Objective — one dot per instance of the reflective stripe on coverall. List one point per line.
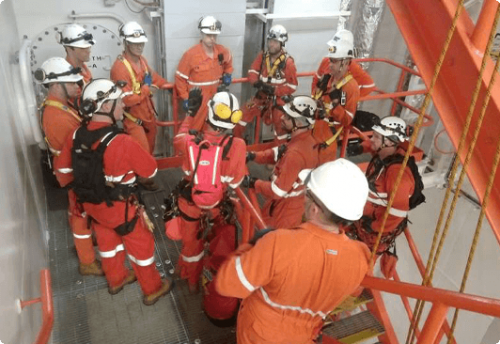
(124, 159)
(285, 193)
(138, 102)
(289, 281)
(197, 69)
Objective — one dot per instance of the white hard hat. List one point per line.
(341, 46)
(224, 110)
(341, 186)
(99, 91)
(393, 128)
(57, 69)
(301, 107)
(278, 33)
(209, 25)
(132, 32)
(74, 35)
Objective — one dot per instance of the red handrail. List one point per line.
(47, 307)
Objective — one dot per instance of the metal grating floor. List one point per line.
(354, 324)
(86, 314)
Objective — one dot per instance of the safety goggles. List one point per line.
(217, 26)
(104, 95)
(41, 76)
(86, 36)
(136, 34)
(275, 35)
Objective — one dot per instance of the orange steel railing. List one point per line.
(349, 132)
(441, 300)
(47, 307)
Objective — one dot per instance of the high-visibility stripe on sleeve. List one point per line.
(271, 303)
(253, 71)
(350, 114)
(242, 123)
(392, 211)
(277, 190)
(125, 94)
(242, 277)
(182, 75)
(294, 87)
(85, 236)
(367, 86)
(235, 185)
(154, 173)
(275, 151)
(206, 83)
(142, 262)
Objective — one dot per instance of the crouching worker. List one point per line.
(291, 279)
(388, 146)
(101, 164)
(214, 161)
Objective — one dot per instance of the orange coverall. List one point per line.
(284, 79)
(233, 169)
(57, 125)
(285, 192)
(138, 101)
(364, 80)
(197, 69)
(381, 185)
(124, 160)
(337, 116)
(289, 281)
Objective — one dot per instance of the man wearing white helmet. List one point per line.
(388, 146)
(338, 90)
(58, 121)
(120, 223)
(206, 65)
(77, 42)
(223, 114)
(274, 75)
(142, 83)
(291, 279)
(285, 192)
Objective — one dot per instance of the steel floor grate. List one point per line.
(86, 314)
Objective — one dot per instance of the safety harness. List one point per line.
(136, 86)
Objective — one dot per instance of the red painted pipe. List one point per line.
(248, 206)
(484, 25)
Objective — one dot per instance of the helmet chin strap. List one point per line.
(110, 114)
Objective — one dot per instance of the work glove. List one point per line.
(194, 101)
(226, 79)
(268, 89)
(248, 182)
(250, 156)
(281, 151)
(354, 149)
(287, 98)
(323, 82)
(259, 234)
(148, 79)
(335, 96)
(258, 85)
(185, 105)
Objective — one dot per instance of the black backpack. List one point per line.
(89, 182)
(417, 197)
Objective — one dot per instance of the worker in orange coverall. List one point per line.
(142, 83)
(58, 121)
(77, 42)
(120, 224)
(386, 144)
(285, 192)
(206, 65)
(291, 279)
(274, 74)
(223, 114)
(339, 92)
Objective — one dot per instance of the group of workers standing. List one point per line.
(316, 203)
